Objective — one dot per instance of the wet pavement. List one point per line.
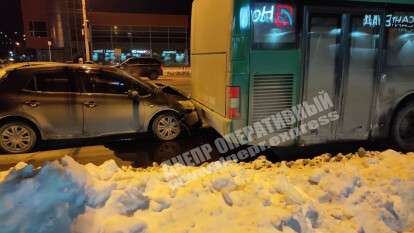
(143, 151)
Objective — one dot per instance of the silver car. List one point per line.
(59, 101)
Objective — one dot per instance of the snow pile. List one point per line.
(366, 193)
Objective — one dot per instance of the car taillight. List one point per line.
(233, 110)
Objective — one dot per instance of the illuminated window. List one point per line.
(274, 24)
(38, 29)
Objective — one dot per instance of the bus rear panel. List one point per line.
(255, 58)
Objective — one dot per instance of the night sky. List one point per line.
(10, 17)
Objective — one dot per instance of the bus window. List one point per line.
(274, 24)
(400, 27)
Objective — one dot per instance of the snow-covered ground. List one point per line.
(369, 192)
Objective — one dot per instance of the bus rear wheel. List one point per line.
(403, 128)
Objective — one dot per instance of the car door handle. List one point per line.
(32, 103)
(90, 104)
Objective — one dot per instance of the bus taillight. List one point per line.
(233, 110)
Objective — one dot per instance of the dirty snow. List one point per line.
(369, 192)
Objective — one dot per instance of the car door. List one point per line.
(50, 98)
(108, 109)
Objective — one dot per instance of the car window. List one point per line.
(105, 83)
(143, 91)
(52, 81)
(142, 61)
(31, 86)
(156, 62)
(138, 84)
(152, 61)
(133, 84)
(147, 61)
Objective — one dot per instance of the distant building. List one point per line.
(114, 36)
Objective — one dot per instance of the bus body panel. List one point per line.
(395, 88)
(240, 58)
(252, 69)
(210, 51)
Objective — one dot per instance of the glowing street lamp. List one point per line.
(49, 43)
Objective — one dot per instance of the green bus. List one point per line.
(252, 59)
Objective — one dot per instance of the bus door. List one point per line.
(342, 58)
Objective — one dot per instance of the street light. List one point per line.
(86, 31)
(49, 43)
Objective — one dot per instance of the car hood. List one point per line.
(170, 90)
(172, 97)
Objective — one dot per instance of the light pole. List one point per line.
(49, 43)
(86, 32)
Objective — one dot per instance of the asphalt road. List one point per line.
(143, 151)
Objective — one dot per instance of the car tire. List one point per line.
(17, 138)
(153, 76)
(403, 128)
(166, 127)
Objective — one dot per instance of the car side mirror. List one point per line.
(133, 94)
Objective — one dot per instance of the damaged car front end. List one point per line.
(167, 100)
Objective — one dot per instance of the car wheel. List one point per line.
(153, 76)
(17, 137)
(403, 128)
(166, 127)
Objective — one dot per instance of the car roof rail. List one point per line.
(18, 66)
